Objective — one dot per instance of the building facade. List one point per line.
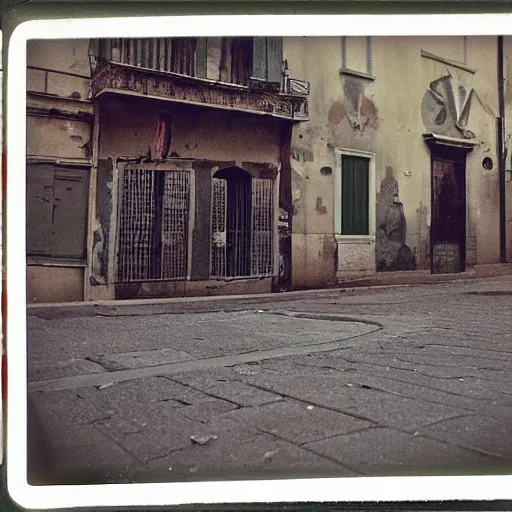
(172, 167)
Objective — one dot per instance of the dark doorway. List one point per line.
(448, 231)
(238, 221)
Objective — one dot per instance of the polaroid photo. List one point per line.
(258, 259)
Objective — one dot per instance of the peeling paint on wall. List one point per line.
(320, 208)
(392, 253)
(103, 211)
(423, 221)
(301, 155)
(336, 113)
(359, 109)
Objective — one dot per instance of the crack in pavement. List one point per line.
(198, 364)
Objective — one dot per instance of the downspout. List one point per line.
(501, 151)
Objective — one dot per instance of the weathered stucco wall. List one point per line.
(55, 284)
(127, 128)
(384, 116)
(58, 138)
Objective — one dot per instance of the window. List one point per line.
(356, 55)
(228, 59)
(153, 225)
(354, 198)
(242, 225)
(177, 55)
(56, 211)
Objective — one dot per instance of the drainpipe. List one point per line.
(501, 151)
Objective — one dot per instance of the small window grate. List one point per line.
(153, 230)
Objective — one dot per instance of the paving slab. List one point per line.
(239, 452)
(107, 463)
(67, 406)
(140, 359)
(38, 371)
(489, 435)
(234, 391)
(297, 422)
(339, 392)
(389, 452)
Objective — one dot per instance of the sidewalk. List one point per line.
(379, 280)
(363, 382)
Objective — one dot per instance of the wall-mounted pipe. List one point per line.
(501, 152)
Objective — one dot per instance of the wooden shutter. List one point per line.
(354, 201)
(39, 209)
(262, 222)
(259, 58)
(69, 226)
(274, 58)
(219, 228)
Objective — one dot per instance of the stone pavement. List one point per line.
(412, 380)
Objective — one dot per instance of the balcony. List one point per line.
(257, 97)
(176, 70)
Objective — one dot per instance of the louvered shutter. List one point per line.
(259, 58)
(262, 221)
(355, 199)
(201, 56)
(219, 228)
(274, 58)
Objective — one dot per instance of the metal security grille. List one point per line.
(153, 226)
(262, 217)
(219, 201)
(242, 220)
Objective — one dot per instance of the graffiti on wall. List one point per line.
(359, 110)
(446, 107)
(392, 253)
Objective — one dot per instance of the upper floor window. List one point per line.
(228, 59)
(356, 55)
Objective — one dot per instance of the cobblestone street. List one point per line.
(413, 380)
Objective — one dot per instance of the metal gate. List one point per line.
(242, 228)
(153, 225)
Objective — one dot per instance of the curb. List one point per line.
(378, 281)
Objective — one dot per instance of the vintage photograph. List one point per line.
(268, 257)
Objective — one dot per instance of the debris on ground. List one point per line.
(310, 407)
(106, 385)
(269, 455)
(202, 439)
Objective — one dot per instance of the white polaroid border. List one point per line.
(340, 490)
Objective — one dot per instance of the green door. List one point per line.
(354, 196)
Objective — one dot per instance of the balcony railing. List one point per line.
(63, 84)
(288, 100)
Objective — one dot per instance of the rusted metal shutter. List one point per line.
(219, 228)
(262, 221)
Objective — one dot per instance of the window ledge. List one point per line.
(359, 74)
(453, 63)
(54, 262)
(354, 239)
